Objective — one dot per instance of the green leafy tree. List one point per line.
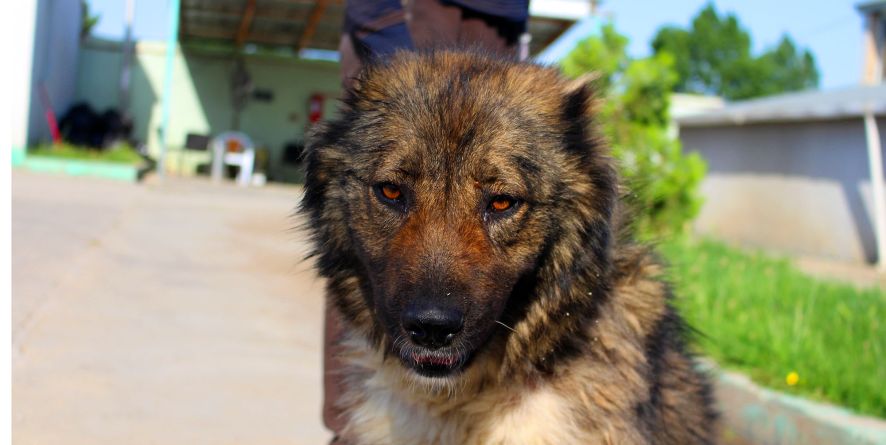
(789, 67)
(714, 56)
(663, 181)
(87, 20)
(604, 55)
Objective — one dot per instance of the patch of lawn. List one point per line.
(760, 315)
(123, 154)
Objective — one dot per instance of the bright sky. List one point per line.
(832, 29)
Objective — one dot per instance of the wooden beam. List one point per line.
(564, 26)
(245, 23)
(311, 26)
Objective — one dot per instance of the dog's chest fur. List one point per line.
(385, 409)
(492, 417)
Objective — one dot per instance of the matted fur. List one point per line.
(573, 339)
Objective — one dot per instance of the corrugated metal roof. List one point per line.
(807, 105)
(296, 24)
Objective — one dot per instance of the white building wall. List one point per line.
(799, 188)
(21, 24)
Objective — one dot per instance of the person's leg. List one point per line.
(436, 24)
(333, 383)
(348, 59)
(490, 33)
(432, 23)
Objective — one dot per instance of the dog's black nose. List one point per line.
(432, 327)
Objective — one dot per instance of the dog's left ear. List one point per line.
(581, 97)
(585, 80)
(579, 109)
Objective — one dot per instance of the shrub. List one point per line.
(663, 181)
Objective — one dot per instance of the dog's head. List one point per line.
(440, 197)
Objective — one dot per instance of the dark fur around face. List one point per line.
(478, 186)
(453, 131)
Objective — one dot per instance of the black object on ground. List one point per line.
(82, 125)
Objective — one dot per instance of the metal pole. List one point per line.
(126, 71)
(875, 161)
(171, 43)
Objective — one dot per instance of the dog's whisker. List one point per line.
(508, 327)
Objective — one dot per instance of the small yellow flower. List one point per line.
(792, 379)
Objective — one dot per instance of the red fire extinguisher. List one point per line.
(315, 108)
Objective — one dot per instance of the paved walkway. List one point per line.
(859, 275)
(162, 313)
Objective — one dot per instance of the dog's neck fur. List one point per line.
(613, 353)
(532, 343)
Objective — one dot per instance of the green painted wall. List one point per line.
(201, 99)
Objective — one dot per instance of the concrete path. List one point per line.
(172, 312)
(859, 275)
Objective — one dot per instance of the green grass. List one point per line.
(122, 154)
(761, 316)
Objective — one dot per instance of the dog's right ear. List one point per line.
(352, 89)
(365, 88)
(326, 164)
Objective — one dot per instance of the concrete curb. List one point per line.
(76, 167)
(18, 156)
(754, 415)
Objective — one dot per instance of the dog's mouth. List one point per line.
(434, 363)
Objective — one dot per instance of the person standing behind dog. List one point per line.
(377, 28)
(374, 29)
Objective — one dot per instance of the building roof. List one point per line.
(565, 43)
(683, 104)
(300, 26)
(871, 6)
(803, 106)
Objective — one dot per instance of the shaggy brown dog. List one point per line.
(464, 214)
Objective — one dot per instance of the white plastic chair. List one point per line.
(244, 158)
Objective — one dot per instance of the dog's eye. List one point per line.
(501, 204)
(389, 193)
